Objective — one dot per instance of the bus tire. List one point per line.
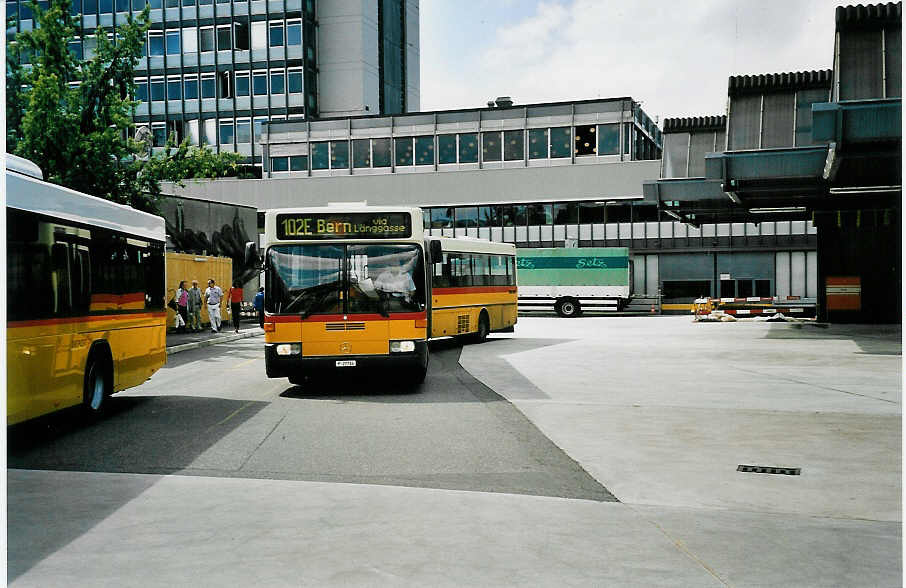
(98, 383)
(484, 328)
(568, 307)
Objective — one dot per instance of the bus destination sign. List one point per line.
(344, 225)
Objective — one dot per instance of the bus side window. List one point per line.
(511, 270)
(59, 253)
(481, 275)
(460, 269)
(441, 274)
(498, 270)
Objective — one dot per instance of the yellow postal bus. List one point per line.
(84, 296)
(351, 288)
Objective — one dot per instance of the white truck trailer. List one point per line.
(572, 281)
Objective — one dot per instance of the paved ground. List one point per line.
(659, 410)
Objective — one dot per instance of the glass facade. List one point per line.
(224, 60)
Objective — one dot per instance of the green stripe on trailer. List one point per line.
(587, 266)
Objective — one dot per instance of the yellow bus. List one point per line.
(84, 296)
(352, 288)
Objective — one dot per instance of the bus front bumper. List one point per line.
(284, 366)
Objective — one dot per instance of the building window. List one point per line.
(190, 87)
(75, 47)
(320, 155)
(224, 42)
(585, 141)
(446, 149)
(467, 216)
(490, 146)
(226, 132)
(243, 130)
(190, 40)
(141, 90)
(424, 150)
(157, 89)
(104, 6)
(339, 154)
(468, 148)
(155, 43)
(259, 83)
(566, 213)
(560, 142)
(208, 86)
(259, 35)
(294, 81)
(159, 134)
(258, 126)
(298, 163)
(537, 139)
(278, 79)
(174, 88)
(539, 214)
(223, 84)
(294, 32)
(609, 139)
(380, 152)
(279, 164)
(122, 5)
(403, 151)
(361, 153)
(513, 145)
(207, 39)
(242, 83)
(241, 35)
(276, 34)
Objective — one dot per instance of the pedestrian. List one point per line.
(259, 306)
(194, 307)
(182, 299)
(212, 297)
(236, 303)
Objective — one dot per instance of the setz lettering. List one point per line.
(576, 262)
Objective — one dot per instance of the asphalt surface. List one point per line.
(212, 412)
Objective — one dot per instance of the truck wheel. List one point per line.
(567, 307)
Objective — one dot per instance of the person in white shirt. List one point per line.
(212, 297)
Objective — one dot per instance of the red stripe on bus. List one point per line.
(475, 290)
(327, 318)
(86, 319)
(120, 298)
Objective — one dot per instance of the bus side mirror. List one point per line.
(252, 257)
(436, 252)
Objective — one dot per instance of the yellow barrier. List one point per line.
(188, 267)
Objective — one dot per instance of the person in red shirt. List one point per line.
(235, 296)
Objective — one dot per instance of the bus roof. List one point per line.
(33, 195)
(342, 207)
(473, 245)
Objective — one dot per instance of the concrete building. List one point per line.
(216, 70)
(824, 147)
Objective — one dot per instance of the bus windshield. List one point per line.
(345, 279)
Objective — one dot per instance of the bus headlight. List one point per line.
(289, 349)
(402, 346)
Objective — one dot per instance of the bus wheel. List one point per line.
(484, 327)
(567, 307)
(98, 383)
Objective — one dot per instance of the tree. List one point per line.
(74, 118)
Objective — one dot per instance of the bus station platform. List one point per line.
(177, 342)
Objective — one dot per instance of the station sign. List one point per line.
(344, 225)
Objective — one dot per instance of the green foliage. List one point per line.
(74, 119)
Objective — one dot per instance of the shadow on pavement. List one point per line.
(871, 339)
(140, 435)
(446, 380)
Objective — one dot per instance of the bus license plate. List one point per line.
(346, 363)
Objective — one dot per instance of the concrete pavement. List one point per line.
(660, 411)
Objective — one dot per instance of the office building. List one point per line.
(215, 71)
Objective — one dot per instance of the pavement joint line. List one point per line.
(795, 381)
(213, 341)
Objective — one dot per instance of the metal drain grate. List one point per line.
(768, 470)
